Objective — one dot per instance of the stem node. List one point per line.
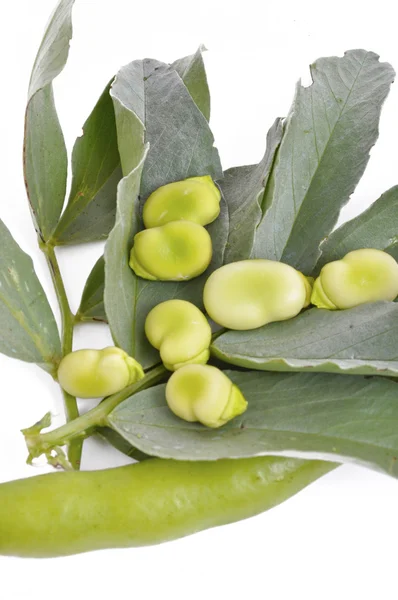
(75, 431)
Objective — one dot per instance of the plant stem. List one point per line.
(84, 425)
(67, 319)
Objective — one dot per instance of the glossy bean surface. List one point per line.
(250, 293)
(181, 333)
(176, 251)
(196, 199)
(362, 276)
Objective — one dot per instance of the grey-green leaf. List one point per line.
(28, 330)
(361, 340)
(377, 227)
(121, 285)
(92, 303)
(152, 104)
(243, 189)
(333, 417)
(181, 143)
(90, 212)
(192, 71)
(118, 442)
(45, 157)
(92, 206)
(331, 128)
(393, 250)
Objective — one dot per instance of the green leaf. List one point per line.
(120, 295)
(118, 442)
(243, 189)
(377, 227)
(331, 128)
(92, 303)
(27, 326)
(393, 251)
(332, 417)
(361, 340)
(90, 212)
(99, 137)
(45, 157)
(192, 71)
(181, 143)
(160, 111)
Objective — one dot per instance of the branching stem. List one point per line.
(85, 425)
(67, 320)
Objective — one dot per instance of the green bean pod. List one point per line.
(142, 504)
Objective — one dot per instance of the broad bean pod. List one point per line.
(362, 276)
(195, 199)
(98, 373)
(250, 293)
(147, 503)
(180, 331)
(204, 393)
(176, 251)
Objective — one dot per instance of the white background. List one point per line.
(336, 539)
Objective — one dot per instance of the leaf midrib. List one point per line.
(308, 191)
(136, 279)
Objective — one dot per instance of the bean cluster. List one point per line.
(242, 295)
